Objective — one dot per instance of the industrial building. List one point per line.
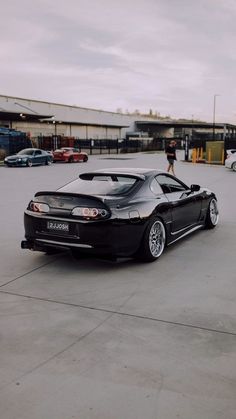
(39, 120)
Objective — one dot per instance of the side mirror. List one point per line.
(195, 188)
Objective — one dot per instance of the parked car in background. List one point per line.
(230, 162)
(29, 157)
(69, 155)
(231, 151)
(118, 212)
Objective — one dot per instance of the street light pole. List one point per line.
(214, 115)
(55, 135)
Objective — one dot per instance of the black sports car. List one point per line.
(118, 212)
(29, 157)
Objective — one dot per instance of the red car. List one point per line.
(69, 155)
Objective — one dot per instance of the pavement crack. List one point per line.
(29, 272)
(122, 313)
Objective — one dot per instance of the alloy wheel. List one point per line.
(213, 212)
(157, 239)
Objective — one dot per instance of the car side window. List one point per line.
(38, 152)
(169, 184)
(155, 187)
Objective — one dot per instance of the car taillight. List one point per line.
(38, 207)
(90, 213)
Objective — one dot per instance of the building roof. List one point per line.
(184, 124)
(14, 108)
(16, 116)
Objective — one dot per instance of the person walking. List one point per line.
(171, 156)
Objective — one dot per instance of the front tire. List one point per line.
(212, 217)
(153, 242)
(85, 159)
(29, 163)
(234, 166)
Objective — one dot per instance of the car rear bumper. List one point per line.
(106, 237)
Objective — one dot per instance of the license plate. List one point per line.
(58, 226)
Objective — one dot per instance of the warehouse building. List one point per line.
(39, 119)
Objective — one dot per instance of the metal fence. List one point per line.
(131, 145)
(106, 146)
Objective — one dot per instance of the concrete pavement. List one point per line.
(92, 339)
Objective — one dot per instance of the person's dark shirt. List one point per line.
(171, 150)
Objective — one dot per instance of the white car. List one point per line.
(231, 151)
(230, 162)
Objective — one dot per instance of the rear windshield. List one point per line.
(111, 185)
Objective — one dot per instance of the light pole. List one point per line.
(55, 134)
(214, 115)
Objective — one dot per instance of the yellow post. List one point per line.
(209, 155)
(223, 157)
(197, 155)
(201, 153)
(194, 155)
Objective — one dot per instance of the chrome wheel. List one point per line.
(213, 212)
(157, 238)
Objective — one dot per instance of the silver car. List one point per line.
(230, 162)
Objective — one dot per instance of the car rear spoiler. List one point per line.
(111, 173)
(69, 194)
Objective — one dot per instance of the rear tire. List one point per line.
(48, 162)
(212, 217)
(85, 159)
(70, 160)
(234, 166)
(153, 241)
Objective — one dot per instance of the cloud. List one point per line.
(171, 56)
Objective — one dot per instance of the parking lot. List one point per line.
(95, 339)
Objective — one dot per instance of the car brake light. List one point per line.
(89, 213)
(38, 207)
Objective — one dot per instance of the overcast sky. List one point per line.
(172, 56)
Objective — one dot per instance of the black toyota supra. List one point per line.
(118, 213)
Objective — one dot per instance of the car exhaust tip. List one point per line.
(26, 245)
